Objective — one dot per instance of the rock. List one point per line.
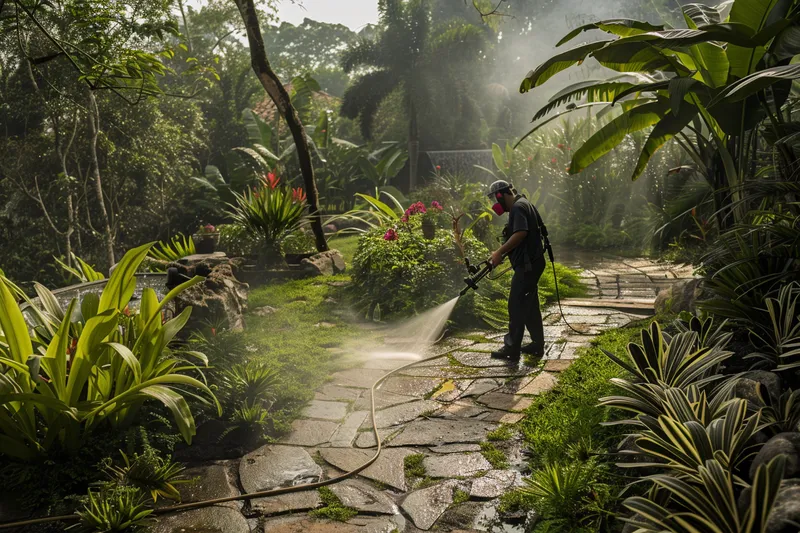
(324, 263)
(787, 444)
(481, 386)
(311, 432)
(215, 519)
(210, 483)
(344, 435)
(285, 503)
(359, 524)
(271, 467)
(770, 382)
(362, 497)
(435, 432)
(541, 383)
(399, 414)
(264, 311)
(681, 296)
(388, 469)
(785, 515)
(325, 410)
(557, 365)
(220, 295)
(425, 506)
(505, 402)
(493, 485)
(456, 448)
(456, 465)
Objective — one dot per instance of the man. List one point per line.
(525, 249)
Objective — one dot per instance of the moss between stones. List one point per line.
(333, 508)
(494, 455)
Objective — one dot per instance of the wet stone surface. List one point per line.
(435, 432)
(425, 506)
(272, 466)
(325, 410)
(215, 519)
(456, 465)
(387, 469)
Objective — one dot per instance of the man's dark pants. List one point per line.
(523, 306)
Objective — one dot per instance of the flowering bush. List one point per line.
(206, 229)
(427, 213)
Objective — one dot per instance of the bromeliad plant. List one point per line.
(270, 212)
(66, 377)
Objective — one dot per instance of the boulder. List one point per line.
(324, 263)
(681, 296)
(787, 444)
(219, 296)
(785, 513)
(770, 382)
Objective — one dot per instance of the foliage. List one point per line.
(178, 247)
(68, 378)
(270, 212)
(250, 383)
(117, 508)
(82, 270)
(413, 465)
(332, 507)
(149, 473)
(494, 455)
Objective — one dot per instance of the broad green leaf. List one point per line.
(119, 289)
(702, 15)
(750, 85)
(258, 131)
(666, 129)
(610, 135)
(497, 157)
(129, 358)
(55, 359)
(678, 89)
(557, 63)
(177, 405)
(712, 62)
(13, 325)
(752, 13)
(633, 56)
(593, 90)
(619, 27)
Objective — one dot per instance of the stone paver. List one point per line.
(435, 432)
(425, 506)
(456, 465)
(347, 432)
(443, 407)
(325, 410)
(272, 466)
(311, 432)
(387, 469)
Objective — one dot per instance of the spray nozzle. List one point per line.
(477, 273)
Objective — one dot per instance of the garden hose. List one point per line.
(253, 495)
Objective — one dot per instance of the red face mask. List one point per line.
(498, 208)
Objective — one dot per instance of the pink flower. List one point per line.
(554, 160)
(390, 235)
(436, 205)
(404, 218)
(530, 158)
(209, 228)
(560, 146)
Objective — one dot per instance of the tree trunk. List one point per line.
(413, 148)
(94, 128)
(277, 92)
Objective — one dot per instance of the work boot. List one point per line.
(506, 352)
(532, 349)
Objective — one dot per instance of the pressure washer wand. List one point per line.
(476, 275)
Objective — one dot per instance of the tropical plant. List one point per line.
(270, 212)
(778, 343)
(82, 270)
(405, 55)
(709, 503)
(178, 247)
(375, 214)
(251, 383)
(149, 473)
(723, 77)
(114, 509)
(64, 379)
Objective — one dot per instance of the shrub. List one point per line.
(236, 241)
(410, 273)
(97, 371)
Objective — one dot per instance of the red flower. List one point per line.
(272, 180)
(567, 169)
(436, 205)
(213, 332)
(530, 158)
(560, 146)
(209, 228)
(554, 160)
(324, 131)
(390, 235)
(694, 211)
(298, 195)
(438, 167)
(404, 218)
(126, 311)
(256, 194)
(569, 147)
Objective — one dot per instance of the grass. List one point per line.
(333, 508)
(494, 455)
(289, 341)
(460, 496)
(576, 488)
(503, 432)
(412, 465)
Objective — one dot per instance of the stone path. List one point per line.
(436, 419)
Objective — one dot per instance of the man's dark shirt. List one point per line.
(524, 217)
